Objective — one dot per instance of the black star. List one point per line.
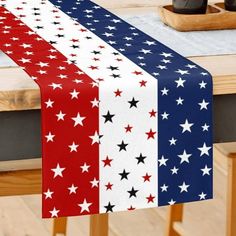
(108, 117)
(75, 46)
(96, 52)
(113, 68)
(39, 27)
(35, 9)
(52, 42)
(109, 207)
(87, 37)
(141, 158)
(133, 103)
(124, 174)
(56, 23)
(36, 14)
(73, 61)
(115, 53)
(122, 146)
(60, 35)
(115, 76)
(132, 192)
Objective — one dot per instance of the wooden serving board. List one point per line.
(216, 18)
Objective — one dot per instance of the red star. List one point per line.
(83, 30)
(137, 73)
(151, 134)
(131, 208)
(107, 161)
(143, 83)
(54, 11)
(38, 20)
(96, 59)
(118, 93)
(152, 113)
(93, 67)
(21, 16)
(57, 17)
(109, 186)
(146, 177)
(150, 198)
(118, 59)
(19, 8)
(128, 128)
(73, 55)
(101, 47)
(100, 79)
(60, 28)
(74, 40)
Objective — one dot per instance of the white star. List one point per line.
(202, 196)
(171, 202)
(186, 126)
(74, 94)
(162, 161)
(25, 60)
(204, 150)
(95, 102)
(166, 54)
(162, 67)
(85, 168)
(205, 127)
(60, 116)
(182, 72)
(166, 61)
(48, 194)
(78, 120)
(164, 188)
(50, 137)
(24, 45)
(73, 147)
(206, 170)
(62, 76)
(49, 103)
(183, 187)
(55, 86)
(191, 66)
(54, 212)
(180, 82)
(150, 43)
(95, 138)
(42, 72)
(174, 170)
(184, 157)
(144, 51)
(203, 104)
(165, 91)
(180, 101)
(111, 27)
(42, 64)
(94, 183)
(108, 34)
(85, 206)
(202, 85)
(165, 116)
(58, 171)
(72, 189)
(173, 141)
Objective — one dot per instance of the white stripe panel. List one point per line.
(113, 132)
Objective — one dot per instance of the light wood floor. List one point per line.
(20, 216)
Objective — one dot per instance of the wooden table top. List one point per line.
(19, 92)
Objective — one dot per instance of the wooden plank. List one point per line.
(59, 226)
(175, 214)
(26, 164)
(20, 182)
(231, 196)
(99, 225)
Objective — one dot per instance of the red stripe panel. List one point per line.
(50, 68)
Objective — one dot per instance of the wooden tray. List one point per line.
(216, 18)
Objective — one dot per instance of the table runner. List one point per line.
(138, 135)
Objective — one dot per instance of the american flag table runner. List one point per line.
(126, 121)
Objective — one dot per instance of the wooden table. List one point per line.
(20, 169)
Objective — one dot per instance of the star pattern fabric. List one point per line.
(124, 133)
(184, 106)
(65, 129)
